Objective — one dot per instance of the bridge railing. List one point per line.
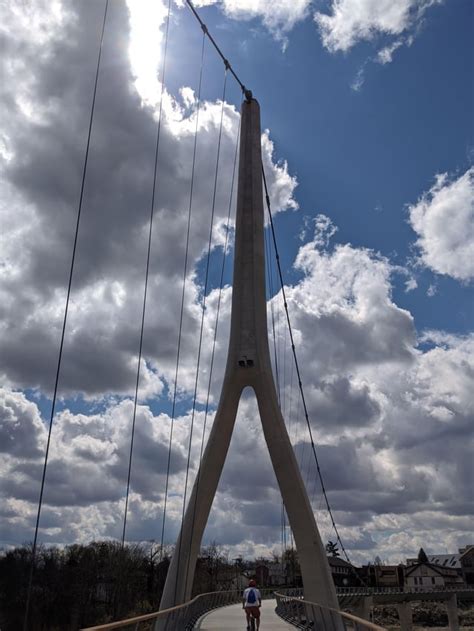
(371, 591)
(182, 617)
(308, 615)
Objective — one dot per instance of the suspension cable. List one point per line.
(290, 413)
(214, 43)
(285, 398)
(63, 331)
(147, 269)
(290, 427)
(248, 93)
(185, 270)
(298, 373)
(216, 324)
(221, 284)
(203, 313)
(276, 353)
(269, 266)
(272, 312)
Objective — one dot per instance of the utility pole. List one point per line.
(248, 364)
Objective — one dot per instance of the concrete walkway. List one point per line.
(232, 618)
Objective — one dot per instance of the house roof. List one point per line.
(336, 561)
(452, 561)
(442, 571)
(466, 549)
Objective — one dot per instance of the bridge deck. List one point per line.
(232, 618)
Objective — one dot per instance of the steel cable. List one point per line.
(203, 312)
(173, 411)
(185, 270)
(63, 331)
(147, 268)
(298, 372)
(268, 263)
(247, 93)
(216, 324)
(214, 43)
(272, 312)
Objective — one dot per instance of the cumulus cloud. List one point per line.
(386, 416)
(443, 219)
(279, 17)
(345, 24)
(21, 431)
(41, 176)
(345, 301)
(281, 184)
(39, 205)
(352, 21)
(88, 462)
(386, 413)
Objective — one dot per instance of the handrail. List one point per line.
(301, 612)
(142, 618)
(367, 623)
(151, 616)
(196, 607)
(374, 591)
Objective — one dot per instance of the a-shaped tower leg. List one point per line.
(248, 364)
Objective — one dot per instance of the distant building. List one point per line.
(466, 558)
(239, 582)
(343, 573)
(389, 576)
(426, 576)
(270, 574)
(451, 561)
(462, 562)
(261, 574)
(383, 576)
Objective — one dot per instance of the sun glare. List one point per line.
(146, 35)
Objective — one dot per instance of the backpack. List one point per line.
(251, 597)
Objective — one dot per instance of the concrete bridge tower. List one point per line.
(248, 364)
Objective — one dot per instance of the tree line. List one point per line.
(85, 585)
(80, 585)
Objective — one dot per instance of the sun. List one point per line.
(147, 18)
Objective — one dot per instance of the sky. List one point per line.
(368, 145)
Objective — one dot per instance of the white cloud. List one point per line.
(410, 285)
(387, 419)
(21, 430)
(324, 230)
(346, 295)
(279, 17)
(352, 21)
(39, 204)
(443, 219)
(281, 184)
(394, 412)
(347, 23)
(385, 55)
(359, 79)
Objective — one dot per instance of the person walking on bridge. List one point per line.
(251, 603)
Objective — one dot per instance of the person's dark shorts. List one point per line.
(255, 611)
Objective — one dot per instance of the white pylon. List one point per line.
(248, 364)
